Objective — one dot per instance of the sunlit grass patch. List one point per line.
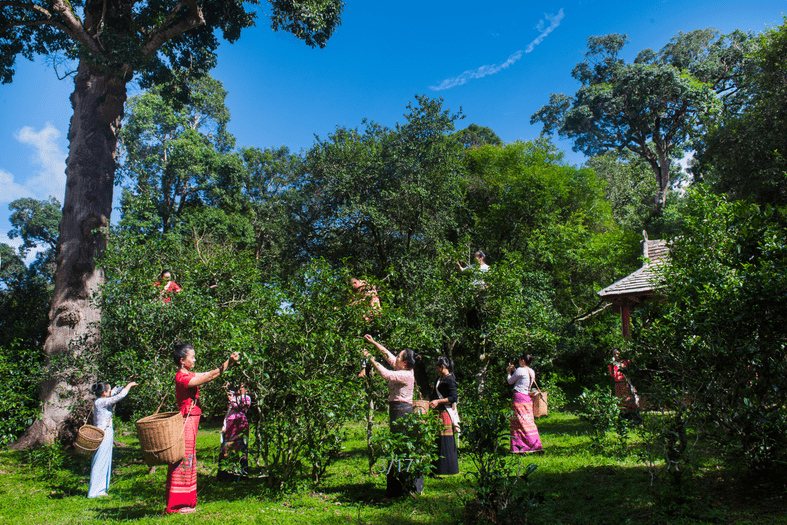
(580, 483)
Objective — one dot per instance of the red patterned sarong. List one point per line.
(447, 428)
(182, 476)
(524, 434)
(448, 460)
(627, 399)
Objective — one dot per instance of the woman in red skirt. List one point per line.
(182, 476)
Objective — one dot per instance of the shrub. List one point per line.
(411, 450)
(500, 497)
(601, 409)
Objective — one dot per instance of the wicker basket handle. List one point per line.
(162, 402)
(540, 393)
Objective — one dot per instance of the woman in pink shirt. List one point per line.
(401, 381)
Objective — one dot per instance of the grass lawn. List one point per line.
(579, 487)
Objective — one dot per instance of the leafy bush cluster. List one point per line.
(503, 493)
(715, 353)
(601, 409)
(409, 449)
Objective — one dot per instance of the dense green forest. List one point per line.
(264, 242)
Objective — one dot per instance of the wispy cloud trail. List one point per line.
(484, 71)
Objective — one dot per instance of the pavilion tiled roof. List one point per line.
(643, 281)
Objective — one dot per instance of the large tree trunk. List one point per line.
(663, 176)
(98, 100)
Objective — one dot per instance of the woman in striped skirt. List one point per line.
(524, 434)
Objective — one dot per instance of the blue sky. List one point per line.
(498, 63)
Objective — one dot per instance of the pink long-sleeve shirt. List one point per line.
(400, 382)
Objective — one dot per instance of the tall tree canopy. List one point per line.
(112, 41)
(381, 195)
(474, 136)
(654, 106)
(36, 223)
(745, 155)
(525, 198)
(173, 152)
(630, 187)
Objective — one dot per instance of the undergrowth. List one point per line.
(579, 483)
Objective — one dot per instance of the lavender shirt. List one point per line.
(521, 379)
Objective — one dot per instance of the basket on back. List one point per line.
(88, 440)
(161, 438)
(540, 405)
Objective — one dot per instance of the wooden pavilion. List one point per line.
(639, 286)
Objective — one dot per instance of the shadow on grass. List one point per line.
(553, 425)
(212, 490)
(353, 493)
(129, 512)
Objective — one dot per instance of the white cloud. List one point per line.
(16, 243)
(483, 71)
(51, 178)
(10, 190)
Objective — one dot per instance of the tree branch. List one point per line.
(164, 34)
(49, 22)
(28, 6)
(174, 11)
(78, 32)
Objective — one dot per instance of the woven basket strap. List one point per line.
(162, 402)
(540, 393)
(88, 414)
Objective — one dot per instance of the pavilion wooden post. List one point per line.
(625, 320)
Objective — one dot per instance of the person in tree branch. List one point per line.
(182, 476)
(169, 286)
(366, 296)
(479, 266)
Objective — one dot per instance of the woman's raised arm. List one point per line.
(207, 377)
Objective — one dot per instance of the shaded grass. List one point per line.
(580, 486)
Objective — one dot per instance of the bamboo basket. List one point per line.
(421, 406)
(539, 403)
(161, 438)
(89, 438)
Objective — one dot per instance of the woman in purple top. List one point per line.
(401, 381)
(524, 434)
(233, 455)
